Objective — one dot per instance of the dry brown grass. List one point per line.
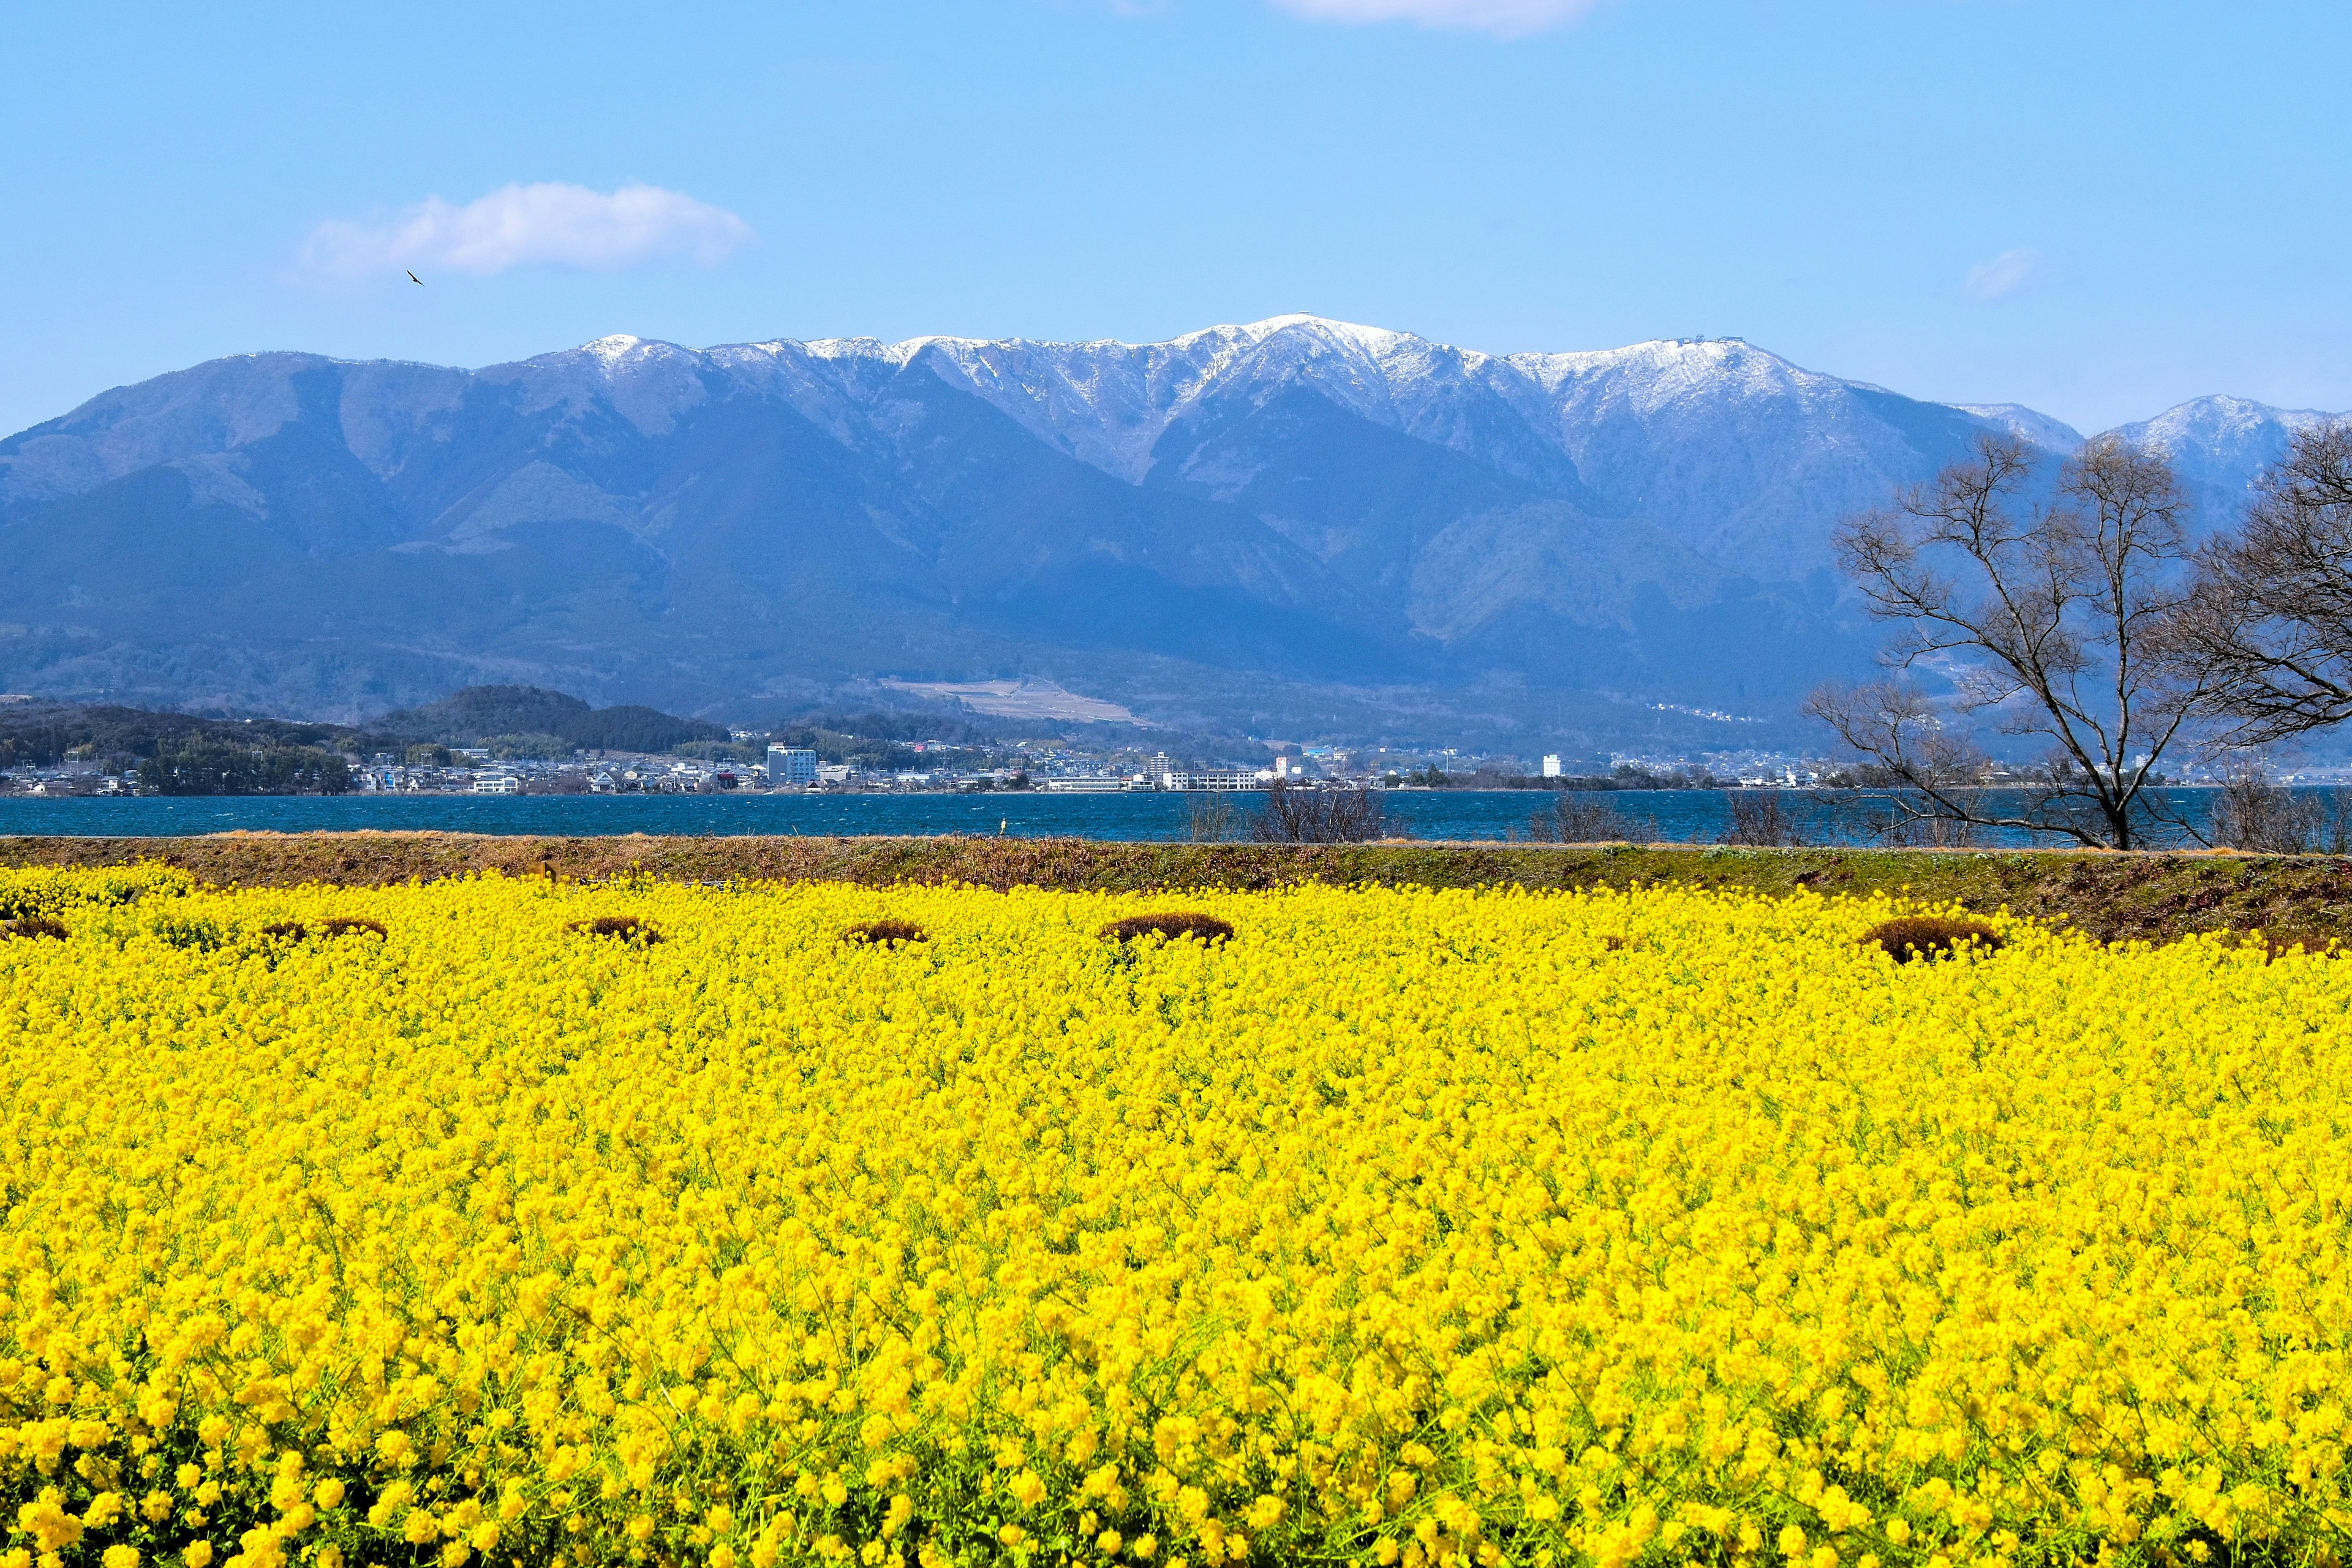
(880, 931)
(1173, 925)
(29, 926)
(628, 928)
(1910, 937)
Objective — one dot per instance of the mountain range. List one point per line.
(1292, 527)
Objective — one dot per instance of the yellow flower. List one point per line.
(1465, 1227)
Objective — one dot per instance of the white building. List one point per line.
(1213, 778)
(498, 784)
(1552, 765)
(790, 766)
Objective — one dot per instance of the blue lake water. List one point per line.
(1683, 816)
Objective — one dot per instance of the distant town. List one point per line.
(521, 742)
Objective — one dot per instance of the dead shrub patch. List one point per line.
(2277, 944)
(874, 933)
(1910, 937)
(30, 926)
(1173, 925)
(628, 928)
(341, 925)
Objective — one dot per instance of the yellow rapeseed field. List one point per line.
(1436, 1228)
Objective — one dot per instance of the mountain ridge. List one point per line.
(1241, 525)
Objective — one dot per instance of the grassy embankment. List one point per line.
(2113, 896)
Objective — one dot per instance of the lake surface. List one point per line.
(1679, 815)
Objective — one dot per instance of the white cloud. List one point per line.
(520, 226)
(2013, 272)
(1503, 18)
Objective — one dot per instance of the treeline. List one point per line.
(218, 767)
(530, 721)
(847, 745)
(118, 739)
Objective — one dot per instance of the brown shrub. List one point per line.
(30, 926)
(876, 931)
(1173, 925)
(628, 928)
(353, 925)
(1931, 936)
(285, 931)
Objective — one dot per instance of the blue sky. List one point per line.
(2099, 209)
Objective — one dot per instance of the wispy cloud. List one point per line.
(1503, 18)
(520, 226)
(2010, 273)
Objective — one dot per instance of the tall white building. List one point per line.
(790, 766)
(1552, 765)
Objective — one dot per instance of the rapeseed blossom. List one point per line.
(1405, 1227)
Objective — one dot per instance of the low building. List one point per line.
(498, 784)
(1214, 778)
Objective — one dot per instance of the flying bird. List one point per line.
(413, 277)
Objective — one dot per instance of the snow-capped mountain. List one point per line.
(2219, 444)
(1297, 501)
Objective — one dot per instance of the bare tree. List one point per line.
(2271, 611)
(1293, 815)
(2053, 619)
(1761, 817)
(2253, 811)
(1574, 817)
(1211, 818)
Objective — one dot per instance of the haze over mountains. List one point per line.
(1293, 525)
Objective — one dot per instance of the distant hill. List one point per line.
(481, 713)
(45, 733)
(1294, 526)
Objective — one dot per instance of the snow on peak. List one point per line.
(1110, 402)
(647, 379)
(2027, 424)
(2225, 419)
